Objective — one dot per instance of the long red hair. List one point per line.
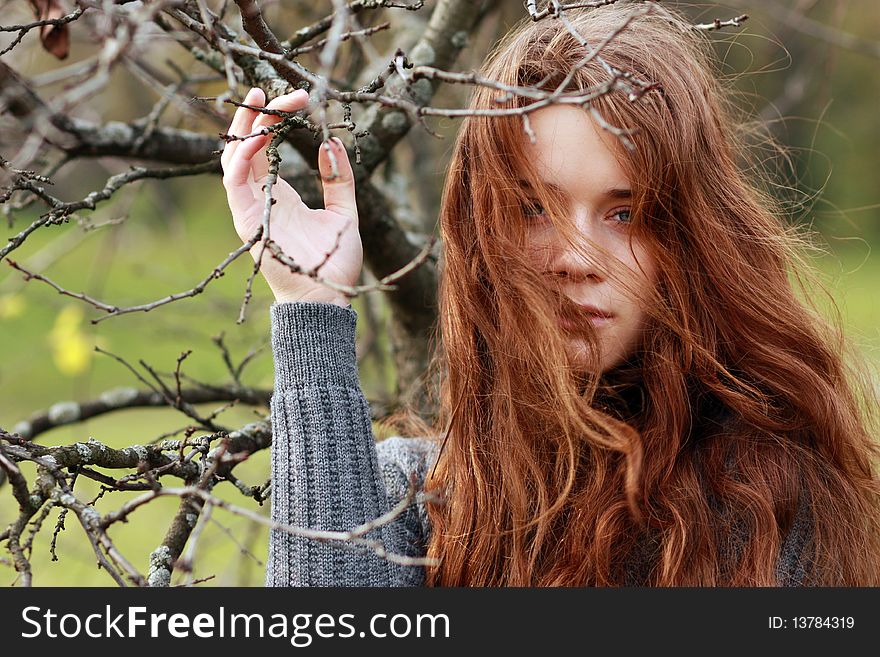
(688, 464)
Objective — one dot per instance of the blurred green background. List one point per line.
(174, 233)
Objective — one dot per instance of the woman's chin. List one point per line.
(583, 360)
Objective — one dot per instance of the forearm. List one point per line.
(325, 470)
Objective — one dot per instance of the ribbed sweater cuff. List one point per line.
(313, 343)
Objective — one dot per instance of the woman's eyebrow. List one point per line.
(614, 192)
(619, 192)
(525, 184)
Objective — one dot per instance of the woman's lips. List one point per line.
(572, 325)
(595, 316)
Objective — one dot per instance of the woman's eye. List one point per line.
(533, 209)
(622, 216)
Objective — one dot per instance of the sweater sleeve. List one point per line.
(795, 555)
(326, 472)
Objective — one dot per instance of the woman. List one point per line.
(632, 392)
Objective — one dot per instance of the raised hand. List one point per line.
(304, 234)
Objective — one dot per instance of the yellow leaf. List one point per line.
(72, 349)
(11, 305)
(69, 319)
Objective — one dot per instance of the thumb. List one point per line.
(339, 194)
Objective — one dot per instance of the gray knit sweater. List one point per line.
(328, 472)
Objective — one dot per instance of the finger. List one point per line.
(286, 103)
(239, 169)
(339, 192)
(252, 156)
(241, 122)
(240, 199)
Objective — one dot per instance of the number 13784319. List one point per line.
(811, 623)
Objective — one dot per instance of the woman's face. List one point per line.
(579, 160)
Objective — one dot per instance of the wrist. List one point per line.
(322, 296)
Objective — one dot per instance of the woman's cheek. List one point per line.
(538, 253)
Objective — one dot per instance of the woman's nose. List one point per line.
(579, 261)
